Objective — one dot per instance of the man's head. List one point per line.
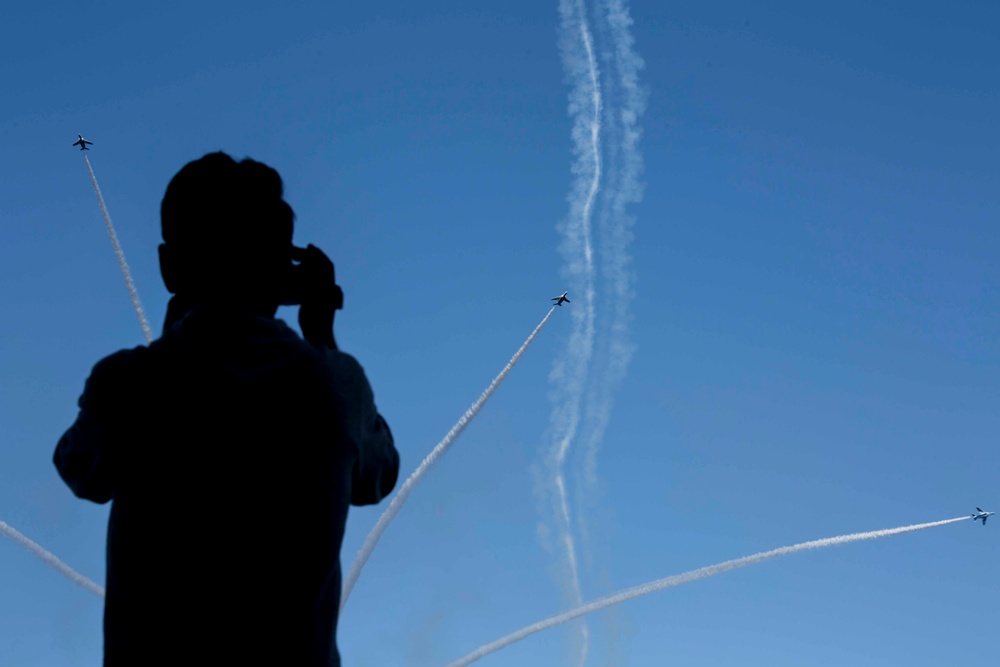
(227, 233)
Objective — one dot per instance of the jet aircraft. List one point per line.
(981, 515)
(82, 143)
(560, 299)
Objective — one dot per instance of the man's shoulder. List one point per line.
(340, 366)
(117, 373)
(341, 361)
(121, 362)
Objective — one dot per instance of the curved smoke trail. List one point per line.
(404, 491)
(687, 577)
(49, 558)
(570, 372)
(122, 264)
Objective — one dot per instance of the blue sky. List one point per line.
(814, 316)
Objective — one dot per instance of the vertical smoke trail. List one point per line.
(677, 580)
(132, 293)
(622, 102)
(404, 491)
(49, 558)
(569, 375)
(624, 188)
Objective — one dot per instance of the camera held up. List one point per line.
(310, 277)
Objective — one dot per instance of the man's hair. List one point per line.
(225, 218)
(215, 200)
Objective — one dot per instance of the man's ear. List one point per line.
(169, 268)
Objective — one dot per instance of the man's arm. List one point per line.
(377, 465)
(84, 455)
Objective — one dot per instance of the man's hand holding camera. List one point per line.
(314, 287)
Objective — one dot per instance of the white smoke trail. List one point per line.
(613, 350)
(687, 577)
(624, 188)
(569, 375)
(49, 558)
(404, 491)
(132, 292)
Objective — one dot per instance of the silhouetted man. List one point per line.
(230, 447)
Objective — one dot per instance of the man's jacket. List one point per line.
(230, 450)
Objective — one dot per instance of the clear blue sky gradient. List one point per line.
(815, 318)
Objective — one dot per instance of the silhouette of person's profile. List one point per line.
(230, 447)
